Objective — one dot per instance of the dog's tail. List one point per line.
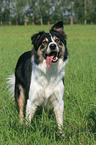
(11, 85)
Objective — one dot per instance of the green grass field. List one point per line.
(79, 96)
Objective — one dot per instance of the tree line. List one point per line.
(24, 12)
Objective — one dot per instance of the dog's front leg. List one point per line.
(58, 110)
(33, 103)
(30, 110)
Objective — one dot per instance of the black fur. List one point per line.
(23, 68)
(23, 72)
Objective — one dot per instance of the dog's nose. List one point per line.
(53, 46)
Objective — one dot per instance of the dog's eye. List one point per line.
(42, 47)
(60, 43)
(57, 40)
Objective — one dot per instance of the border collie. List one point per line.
(39, 74)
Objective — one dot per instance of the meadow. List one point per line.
(79, 95)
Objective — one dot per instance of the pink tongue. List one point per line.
(49, 60)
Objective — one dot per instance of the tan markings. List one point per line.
(63, 51)
(40, 52)
(21, 102)
(45, 40)
(54, 37)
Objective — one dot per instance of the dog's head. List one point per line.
(50, 46)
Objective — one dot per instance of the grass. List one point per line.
(79, 96)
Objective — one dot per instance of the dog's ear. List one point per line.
(58, 27)
(36, 37)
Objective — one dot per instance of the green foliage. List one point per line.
(79, 96)
(17, 12)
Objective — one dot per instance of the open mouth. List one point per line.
(51, 58)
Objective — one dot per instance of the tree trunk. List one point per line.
(33, 20)
(91, 22)
(48, 21)
(25, 20)
(85, 21)
(71, 17)
(71, 22)
(41, 21)
(1, 22)
(1, 16)
(9, 20)
(9, 12)
(16, 20)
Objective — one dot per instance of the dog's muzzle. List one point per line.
(52, 54)
(52, 46)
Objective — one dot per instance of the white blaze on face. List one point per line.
(52, 57)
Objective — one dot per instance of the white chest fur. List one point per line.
(47, 86)
(45, 81)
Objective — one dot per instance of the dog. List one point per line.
(39, 74)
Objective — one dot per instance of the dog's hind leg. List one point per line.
(20, 99)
